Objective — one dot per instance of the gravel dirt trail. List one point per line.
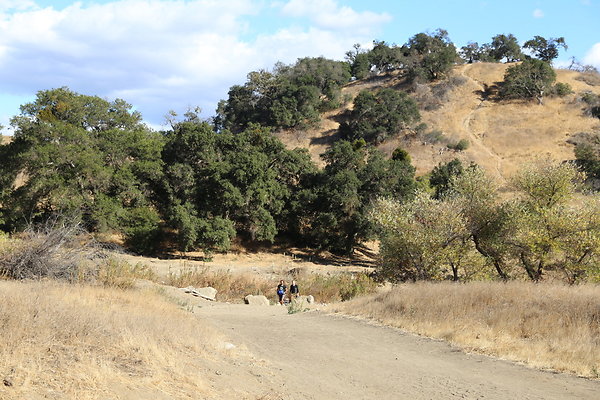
(314, 355)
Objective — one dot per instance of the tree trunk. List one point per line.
(495, 259)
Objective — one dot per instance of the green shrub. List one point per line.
(434, 136)
(562, 89)
(461, 145)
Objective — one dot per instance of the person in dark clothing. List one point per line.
(281, 289)
(294, 291)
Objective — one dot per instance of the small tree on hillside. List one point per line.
(545, 49)
(505, 47)
(376, 116)
(532, 79)
(430, 56)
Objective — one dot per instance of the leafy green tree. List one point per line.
(505, 47)
(441, 176)
(587, 154)
(359, 62)
(336, 200)
(288, 97)
(378, 115)
(430, 56)
(470, 52)
(488, 222)
(545, 49)
(81, 154)
(420, 239)
(553, 233)
(532, 79)
(221, 184)
(473, 52)
(384, 57)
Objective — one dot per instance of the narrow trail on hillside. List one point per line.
(314, 355)
(476, 141)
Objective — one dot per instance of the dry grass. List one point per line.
(229, 286)
(550, 326)
(120, 274)
(62, 341)
(502, 134)
(235, 286)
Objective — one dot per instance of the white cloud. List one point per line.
(538, 13)
(8, 5)
(328, 14)
(592, 57)
(160, 54)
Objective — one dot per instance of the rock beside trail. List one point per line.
(256, 300)
(207, 293)
(309, 299)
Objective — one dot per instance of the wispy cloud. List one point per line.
(592, 57)
(538, 13)
(328, 14)
(160, 54)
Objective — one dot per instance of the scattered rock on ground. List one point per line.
(310, 299)
(256, 300)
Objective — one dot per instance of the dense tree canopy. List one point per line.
(471, 230)
(288, 97)
(430, 56)
(82, 154)
(221, 184)
(377, 115)
(334, 206)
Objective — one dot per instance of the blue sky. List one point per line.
(163, 55)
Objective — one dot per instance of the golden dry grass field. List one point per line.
(549, 326)
(502, 134)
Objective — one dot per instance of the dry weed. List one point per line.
(65, 341)
(235, 286)
(544, 325)
(120, 274)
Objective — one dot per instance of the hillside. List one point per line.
(502, 134)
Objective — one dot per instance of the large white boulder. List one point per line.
(207, 293)
(256, 300)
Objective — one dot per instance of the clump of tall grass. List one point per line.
(235, 286)
(120, 274)
(547, 325)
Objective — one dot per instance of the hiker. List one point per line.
(281, 289)
(294, 291)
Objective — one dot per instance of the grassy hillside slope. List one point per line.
(502, 134)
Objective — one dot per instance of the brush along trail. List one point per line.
(315, 355)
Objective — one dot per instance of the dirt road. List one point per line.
(313, 355)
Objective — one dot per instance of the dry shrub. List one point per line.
(432, 97)
(63, 341)
(592, 78)
(54, 250)
(545, 325)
